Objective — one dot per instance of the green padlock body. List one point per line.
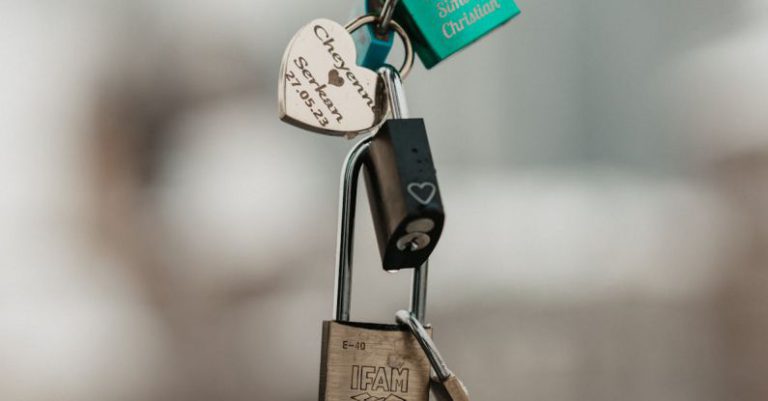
(440, 28)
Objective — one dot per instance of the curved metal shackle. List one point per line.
(427, 344)
(393, 89)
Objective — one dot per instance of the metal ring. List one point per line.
(371, 18)
(385, 17)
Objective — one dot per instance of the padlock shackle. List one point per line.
(350, 175)
(412, 322)
(346, 233)
(419, 291)
(395, 94)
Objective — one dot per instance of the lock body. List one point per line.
(363, 362)
(442, 28)
(403, 193)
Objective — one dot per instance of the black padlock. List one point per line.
(403, 193)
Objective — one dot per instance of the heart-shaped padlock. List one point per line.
(321, 87)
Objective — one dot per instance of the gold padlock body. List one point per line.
(372, 362)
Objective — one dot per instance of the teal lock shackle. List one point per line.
(348, 206)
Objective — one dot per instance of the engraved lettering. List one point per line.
(292, 79)
(380, 382)
(399, 382)
(380, 379)
(367, 374)
(320, 28)
(360, 89)
(340, 64)
(453, 27)
(355, 377)
(303, 65)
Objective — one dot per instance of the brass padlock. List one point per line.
(370, 361)
(367, 361)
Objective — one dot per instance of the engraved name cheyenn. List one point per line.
(379, 378)
(478, 12)
(340, 64)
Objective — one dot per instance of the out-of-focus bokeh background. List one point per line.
(163, 236)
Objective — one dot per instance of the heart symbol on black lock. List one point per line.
(423, 192)
(346, 104)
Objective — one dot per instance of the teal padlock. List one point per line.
(372, 46)
(440, 28)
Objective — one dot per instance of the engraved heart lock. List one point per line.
(321, 87)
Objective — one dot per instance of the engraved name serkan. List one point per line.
(457, 23)
(379, 378)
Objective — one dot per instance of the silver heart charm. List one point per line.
(322, 88)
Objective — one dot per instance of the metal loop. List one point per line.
(385, 17)
(410, 321)
(407, 44)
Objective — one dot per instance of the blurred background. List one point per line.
(604, 167)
